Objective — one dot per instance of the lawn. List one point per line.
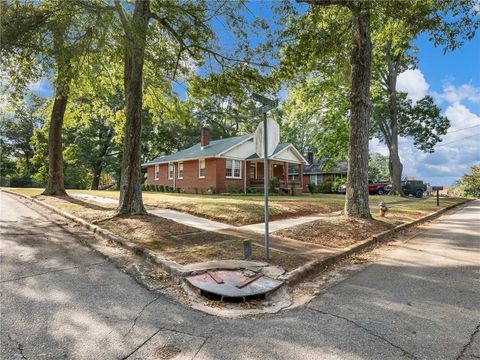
(248, 209)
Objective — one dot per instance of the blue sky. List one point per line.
(453, 79)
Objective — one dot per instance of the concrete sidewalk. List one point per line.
(210, 225)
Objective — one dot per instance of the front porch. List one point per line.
(287, 176)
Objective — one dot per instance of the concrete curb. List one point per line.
(313, 267)
(172, 268)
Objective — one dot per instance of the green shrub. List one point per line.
(337, 183)
(179, 190)
(161, 188)
(195, 190)
(274, 184)
(324, 187)
(231, 188)
(312, 188)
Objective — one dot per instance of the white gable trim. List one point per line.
(297, 153)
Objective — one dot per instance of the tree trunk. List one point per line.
(97, 172)
(395, 166)
(356, 202)
(55, 184)
(131, 175)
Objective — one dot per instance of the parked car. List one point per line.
(374, 187)
(414, 187)
(378, 187)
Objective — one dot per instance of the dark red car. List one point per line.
(378, 187)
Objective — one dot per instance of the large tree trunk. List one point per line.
(55, 184)
(395, 166)
(131, 176)
(356, 202)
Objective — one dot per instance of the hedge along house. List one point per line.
(225, 165)
(316, 172)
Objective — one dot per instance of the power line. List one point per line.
(470, 127)
(451, 142)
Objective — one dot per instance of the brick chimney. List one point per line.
(204, 136)
(310, 157)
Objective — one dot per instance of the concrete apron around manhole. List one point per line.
(236, 292)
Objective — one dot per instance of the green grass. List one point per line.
(248, 209)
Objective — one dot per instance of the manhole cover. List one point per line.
(167, 352)
(233, 285)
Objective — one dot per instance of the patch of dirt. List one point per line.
(337, 232)
(167, 352)
(233, 250)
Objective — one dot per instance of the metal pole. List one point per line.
(265, 183)
(438, 199)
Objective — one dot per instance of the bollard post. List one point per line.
(247, 248)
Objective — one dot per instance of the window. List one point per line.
(157, 171)
(201, 168)
(234, 169)
(180, 170)
(171, 170)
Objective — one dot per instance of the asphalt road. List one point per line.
(62, 300)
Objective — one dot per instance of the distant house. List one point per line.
(317, 172)
(225, 165)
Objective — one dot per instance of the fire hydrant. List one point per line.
(383, 209)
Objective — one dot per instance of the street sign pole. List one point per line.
(265, 184)
(267, 104)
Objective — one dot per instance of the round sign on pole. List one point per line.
(273, 138)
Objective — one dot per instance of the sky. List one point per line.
(452, 79)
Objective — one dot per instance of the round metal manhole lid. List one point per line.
(234, 283)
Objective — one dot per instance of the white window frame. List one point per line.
(180, 164)
(171, 170)
(200, 176)
(234, 162)
(156, 172)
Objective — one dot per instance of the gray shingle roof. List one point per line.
(318, 167)
(215, 148)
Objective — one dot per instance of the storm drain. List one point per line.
(234, 285)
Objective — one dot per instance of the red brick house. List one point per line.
(316, 172)
(225, 165)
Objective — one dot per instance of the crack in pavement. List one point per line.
(19, 346)
(470, 341)
(365, 329)
(54, 271)
(140, 314)
(200, 347)
(143, 343)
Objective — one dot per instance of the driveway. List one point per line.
(60, 299)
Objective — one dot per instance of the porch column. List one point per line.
(285, 173)
(300, 171)
(245, 176)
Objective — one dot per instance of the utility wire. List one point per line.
(451, 142)
(470, 127)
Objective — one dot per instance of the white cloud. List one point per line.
(413, 83)
(454, 94)
(461, 117)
